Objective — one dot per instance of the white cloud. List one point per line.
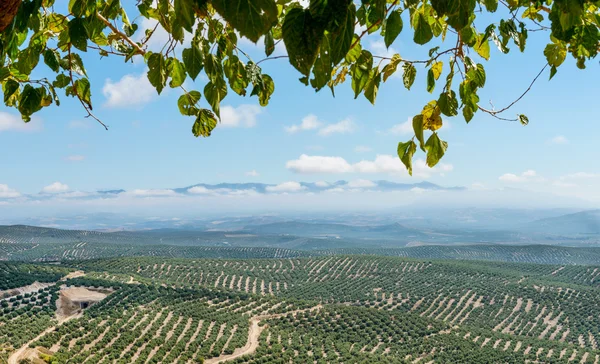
(558, 140)
(378, 48)
(361, 183)
(129, 91)
(159, 38)
(525, 176)
(286, 187)
(252, 173)
(580, 175)
(309, 122)
(11, 122)
(241, 116)
(343, 127)
(199, 190)
(362, 149)
(153, 192)
(381, 164)
(321, 184)
(7, 192)
(76, 158)
(56, 187)
(403, 128)
(319, 164)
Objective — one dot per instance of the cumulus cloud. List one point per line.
(309, 122)
(55, 187)
(11, 122)
(558, 140)
(75, 158)
(290, 186)
(403, 128)
(241, 116)
(523, 177)
(381, 164)
(7, 192)
(130, 90)
(343, 127)
(362, 149)
(319, 164)
(252, 173)
(361, 183)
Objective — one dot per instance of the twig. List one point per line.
(123, 36)
(85, 106)
(495, 113)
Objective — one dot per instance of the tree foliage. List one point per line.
(322, 39)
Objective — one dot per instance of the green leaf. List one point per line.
(552, 71)
(82, 87)
(192, 59)
(477, 75)
(524, 120)
(236, 74)
(214, 93)
(391, 67)
(393, 27)
(410, 73)
(423, 32)
(406, 152)
(555, 54)
(269, 43)
(11, 92)
(361, 71)
(252, 18)
(204, 124)
(430, 81)
(185, 13)
(482, 47)
(372, 86)
(302, 36)
(342, 37)
(177, 73)
(157, 71)
(30, 101)
(78, 34)
(491, 5)
(61, 81)
(187, 103)
(435, 149)
(51, 59)
(418, 127)
(264, 89)
(448, 103)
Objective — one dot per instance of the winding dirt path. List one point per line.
(253, 336)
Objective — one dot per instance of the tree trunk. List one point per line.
(8, 10)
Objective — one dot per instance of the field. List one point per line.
(320, 309)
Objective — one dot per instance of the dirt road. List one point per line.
(253, 336)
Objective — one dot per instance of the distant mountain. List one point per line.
(580, 223)
(305, 229)
(316, 187)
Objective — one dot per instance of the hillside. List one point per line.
(580, 223)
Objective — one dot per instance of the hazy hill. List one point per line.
(580, 223)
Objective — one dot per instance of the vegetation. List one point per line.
(323, 42)
(351, 309)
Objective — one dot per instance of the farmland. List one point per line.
(322, 309)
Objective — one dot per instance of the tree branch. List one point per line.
(123, 36)
(8, 11)
(495, 113)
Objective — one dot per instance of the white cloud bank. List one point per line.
(382, 163)
(290, 186)
(311, 122)
(343, 127)
(558, 140)
(523, 177)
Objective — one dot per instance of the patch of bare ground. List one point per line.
(253, 336)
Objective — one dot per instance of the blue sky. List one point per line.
(150, 146)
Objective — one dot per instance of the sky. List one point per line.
(61, 159)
